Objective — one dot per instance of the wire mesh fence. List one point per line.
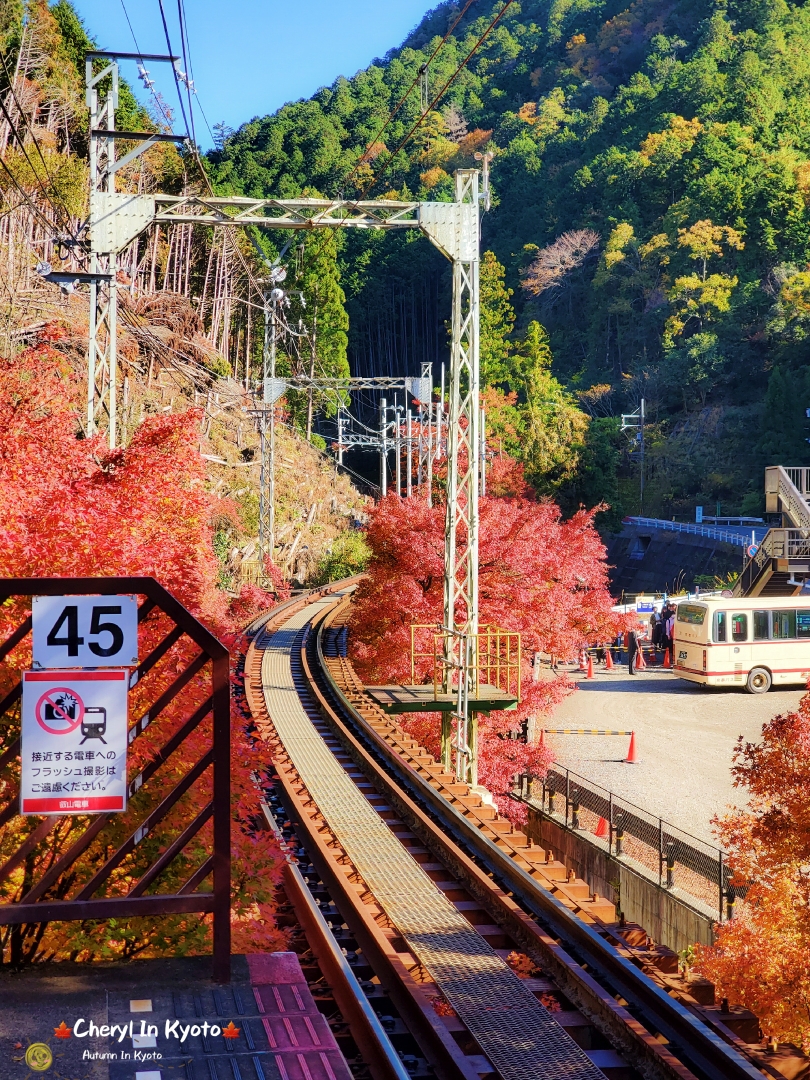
(677, 859)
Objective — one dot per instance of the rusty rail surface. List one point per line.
(524, 892)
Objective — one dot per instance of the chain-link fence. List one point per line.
(678, 860)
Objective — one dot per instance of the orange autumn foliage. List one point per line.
(761, 958)
(71, 507)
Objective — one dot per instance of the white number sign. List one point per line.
(85, 631)
(74, 742)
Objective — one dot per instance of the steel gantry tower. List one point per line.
(117, 218)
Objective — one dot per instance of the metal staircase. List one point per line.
(782, 562)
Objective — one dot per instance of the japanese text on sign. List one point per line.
(74, 742)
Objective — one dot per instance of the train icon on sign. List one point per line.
(94, 724)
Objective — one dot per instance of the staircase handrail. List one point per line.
(790, 486)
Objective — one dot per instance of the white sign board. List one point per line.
(85, 631)
(74, 742)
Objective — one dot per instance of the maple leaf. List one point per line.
(230, 1032)
(538, 575)
(63, 1031)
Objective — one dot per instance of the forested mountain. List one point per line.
(651, 180)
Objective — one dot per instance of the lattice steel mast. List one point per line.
(116, 219)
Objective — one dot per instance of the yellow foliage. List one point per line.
(528, 112)
(803, 180)
(678, 138)
(795, 293)
(433, 177)
(704, 239)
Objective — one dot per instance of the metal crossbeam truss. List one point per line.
(285, 213)
(117, 218)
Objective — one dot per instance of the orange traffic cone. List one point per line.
(542, 736)
(589, 674)
(631, 750)
(608, 660)
(581, 659)
(640, 661)
(666, 662)
(601, 828)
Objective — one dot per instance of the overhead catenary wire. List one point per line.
(59, 211)
(407, 93)
(155, 95)
(174, 69)
(426, 112)
(442, 92)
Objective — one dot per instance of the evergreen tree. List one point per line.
(319, 305)
(784, 423)
(497, 322)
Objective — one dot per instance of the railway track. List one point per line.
(419, 901)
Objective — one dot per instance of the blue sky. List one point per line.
(249, 57)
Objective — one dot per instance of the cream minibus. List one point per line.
(753, 642)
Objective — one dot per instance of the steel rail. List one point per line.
(690, 1039)
(333, 867)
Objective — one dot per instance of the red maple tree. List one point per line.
(71, 507)
(761, 958)
(539, 575)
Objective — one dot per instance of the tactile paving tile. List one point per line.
(513, 1029)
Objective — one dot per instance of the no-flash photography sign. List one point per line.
(74, 742)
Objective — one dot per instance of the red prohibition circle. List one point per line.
(49, 698)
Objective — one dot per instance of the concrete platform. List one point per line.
(276, 1028)
(405, 699)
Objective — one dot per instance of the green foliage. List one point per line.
(677, 130)
(348, 555)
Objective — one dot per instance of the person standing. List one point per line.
(671, 635)
(632, 651)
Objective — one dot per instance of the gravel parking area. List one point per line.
(685, 736)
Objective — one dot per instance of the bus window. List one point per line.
(739, 628)
(803, 624)
(784, 624)
(720, 627)
(761, 632)
(692, 613)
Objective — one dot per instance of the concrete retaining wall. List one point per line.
(667, 916)
(645, 559)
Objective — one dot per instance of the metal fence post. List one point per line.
(567, 795)
(720, 884)
(660, 851)
(610, 822)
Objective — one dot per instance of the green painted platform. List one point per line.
(405, 699)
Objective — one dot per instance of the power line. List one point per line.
(48, 224)
(441, 93)
(63, 212)
(405, 96)
(190, 68)
(174, 69)
(144, 73)
(430, 107)
(187, 69)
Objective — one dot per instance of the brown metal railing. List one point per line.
(81, 878)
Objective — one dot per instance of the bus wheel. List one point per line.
(759, 681)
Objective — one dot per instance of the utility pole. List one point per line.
(398, 449)
(409, 455)
(114, 220)
(383, 448)
(635, 422)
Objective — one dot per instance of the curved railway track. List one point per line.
(413, 893)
